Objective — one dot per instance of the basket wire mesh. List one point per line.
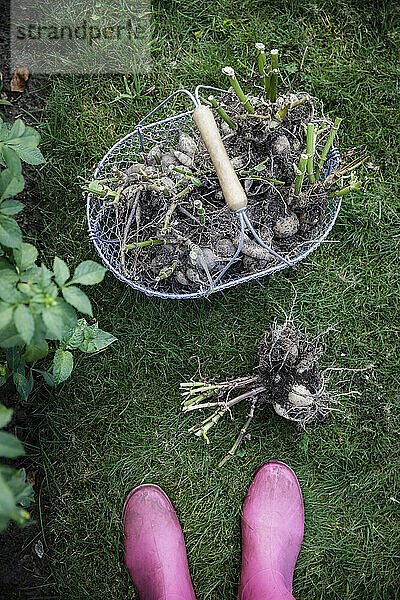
(165, 133)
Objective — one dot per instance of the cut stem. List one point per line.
(273, 91)
(262, 66)
(356, 185)
(166, 272)
(327, 147)
(221, 112)
(301, 170)
(281, 114)
(311, 137)
(238, 90)
(201, 429)
(200, 212)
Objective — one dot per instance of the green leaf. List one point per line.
(75, 336)
(61, 271)
(5, 415)
(30, 137)
(7, 504)
(11, 207)
(5, 103)
(10, 294)
(23, 384)
(88, 273)
(30, 155)
(8, 276)
(78, 299)
(16, 481)
(10, 185)
(12, 160)
(6, 313)
(24, 323)
(13, 359)
(37, 349)
(25, 256)
(10, 447)
(59, 319)
(95, 339)
(63, 363)
(10, 233)
(9, 337)
(17, 130)
(47, 377)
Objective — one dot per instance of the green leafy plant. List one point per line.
(39, 310)
(15, 493)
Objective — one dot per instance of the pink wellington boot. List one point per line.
(155, 552)
(272, 532)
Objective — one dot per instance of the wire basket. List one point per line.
(165, 133)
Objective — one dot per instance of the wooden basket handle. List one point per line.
(234, 194)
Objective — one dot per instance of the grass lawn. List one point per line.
(117, 422)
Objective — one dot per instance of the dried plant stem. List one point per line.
(349, 168)
(135, 204)
(221, 112)
(238, 90)
(327, 147)
(311, 136)
(241, 435)
(273, 91)
(301, 170)
(167, 218)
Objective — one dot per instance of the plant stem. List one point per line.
(356, 185)
(328, 145)
(192, 407)
(273, 92)
(154, 242)
(262, 64)
(167, 217)
(240, 436)
(311, 136)
(281, 114)
(249, 394)
(301, 170)
(166, 272)
(200, 212)
(239, 92)
(189, 175)
(221, 112)
(202, 428)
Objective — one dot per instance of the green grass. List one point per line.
(116, 423)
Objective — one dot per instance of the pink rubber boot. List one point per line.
(272, 532)
(155, 552)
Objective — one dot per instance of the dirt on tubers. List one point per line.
(287, 377)
(289, 370)
(176, 232)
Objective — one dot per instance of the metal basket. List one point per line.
(165, 132)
